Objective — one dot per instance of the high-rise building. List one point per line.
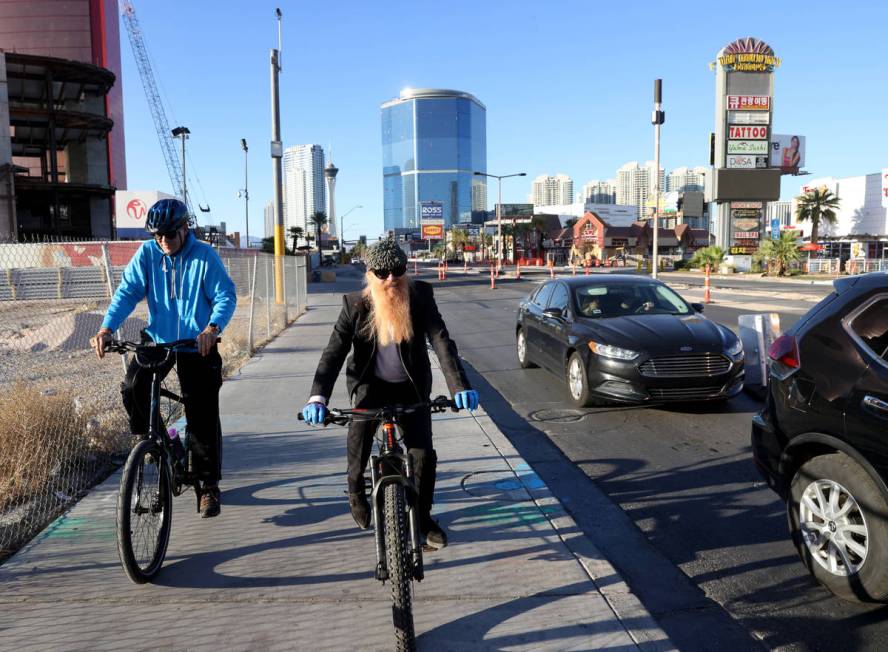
(304, 191)
(635, 184)
(600, 192)
(552, 191)
(686, 179)
(433, 141)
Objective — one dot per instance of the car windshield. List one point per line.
(602, 301)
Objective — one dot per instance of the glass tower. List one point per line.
(433, 140)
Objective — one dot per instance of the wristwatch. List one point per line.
(214, 326)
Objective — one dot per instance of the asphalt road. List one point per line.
(668, 494)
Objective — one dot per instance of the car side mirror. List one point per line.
(698, 306)
(555, 313)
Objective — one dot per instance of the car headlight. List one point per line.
(609, 351)
(736, 349)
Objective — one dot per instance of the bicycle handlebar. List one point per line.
(342, 417)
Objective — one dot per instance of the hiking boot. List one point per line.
(435, 536)
(210, 504)
(360, 509)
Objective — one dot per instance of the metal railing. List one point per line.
(62, 425)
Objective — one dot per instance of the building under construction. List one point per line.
(63, 154)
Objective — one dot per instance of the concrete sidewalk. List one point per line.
(284, 568)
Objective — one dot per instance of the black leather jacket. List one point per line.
(347, 333)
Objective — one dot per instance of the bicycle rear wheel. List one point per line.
(144, 512)
(398, 560)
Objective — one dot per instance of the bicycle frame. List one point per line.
(399, 464)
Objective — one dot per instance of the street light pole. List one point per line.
(499, 219)
(182, 132)
(276, 156)
(246, 191)
(342, 232)
(658, 117)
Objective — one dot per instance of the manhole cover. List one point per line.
(557, 415)
(500, 485)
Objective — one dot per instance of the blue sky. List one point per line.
(567, 85)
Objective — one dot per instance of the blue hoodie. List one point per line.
(185, 292)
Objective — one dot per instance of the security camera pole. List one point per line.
(658, 117)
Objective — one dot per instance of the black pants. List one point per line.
(200, 378)
(417, 438)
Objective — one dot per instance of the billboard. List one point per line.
(749, 103)
(431, 210)
(131, 209)
(787, 153)
(432, 230)
(516, 210)
(748, 147)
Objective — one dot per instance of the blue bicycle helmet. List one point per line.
(166, 216)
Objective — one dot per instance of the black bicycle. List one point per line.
(394, 504)
(158, 468)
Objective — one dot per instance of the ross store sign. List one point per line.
(748, 118)
(748, 147)
(431, 210)
(749, 103)
(748, 132)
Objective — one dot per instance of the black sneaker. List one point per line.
(210, 503)
(435, 536)
(360, 509)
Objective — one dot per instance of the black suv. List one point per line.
(821, 441)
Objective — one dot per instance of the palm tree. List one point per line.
(459, 239)
(815, 205)
(780, 252)
(712, 256)
(296, 232)
(320, 219)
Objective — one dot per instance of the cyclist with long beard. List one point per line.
(387, 324)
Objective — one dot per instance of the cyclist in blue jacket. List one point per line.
(190, 296)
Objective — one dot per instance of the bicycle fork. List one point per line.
(413, 519)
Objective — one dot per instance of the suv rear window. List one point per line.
(871, 326)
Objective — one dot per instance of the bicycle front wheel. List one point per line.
(398, 560)
(144, 512)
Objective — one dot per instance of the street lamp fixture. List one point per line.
(246, 191)
(499, 221)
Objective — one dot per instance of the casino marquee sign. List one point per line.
(748, 55)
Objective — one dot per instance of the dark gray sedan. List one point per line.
(627, 339)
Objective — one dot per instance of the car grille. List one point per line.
(686, 366)
(685, 393)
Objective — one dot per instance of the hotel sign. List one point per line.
(748, 147)
(749, 103)
(747, 132)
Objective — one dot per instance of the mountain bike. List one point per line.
(158, 468)
(394, 505)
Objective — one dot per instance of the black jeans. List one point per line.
(200, 378)
(417, 438)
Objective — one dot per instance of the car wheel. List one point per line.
(838, 525)
(578, 382)
(521, 350)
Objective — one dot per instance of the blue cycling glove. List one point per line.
(314, 413)
(466, 399)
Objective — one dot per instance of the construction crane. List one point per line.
(143, 63)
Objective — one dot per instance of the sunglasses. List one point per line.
(172, 235)
(397, 272)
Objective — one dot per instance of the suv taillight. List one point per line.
(785, 350)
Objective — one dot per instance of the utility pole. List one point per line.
(246, 191)
(277, 152)
(658, 117)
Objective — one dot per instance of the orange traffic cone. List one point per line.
(706, 288)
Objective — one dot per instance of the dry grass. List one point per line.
(44, 438)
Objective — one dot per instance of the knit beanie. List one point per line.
(385, 254)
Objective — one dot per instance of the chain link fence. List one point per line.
(62, 425)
